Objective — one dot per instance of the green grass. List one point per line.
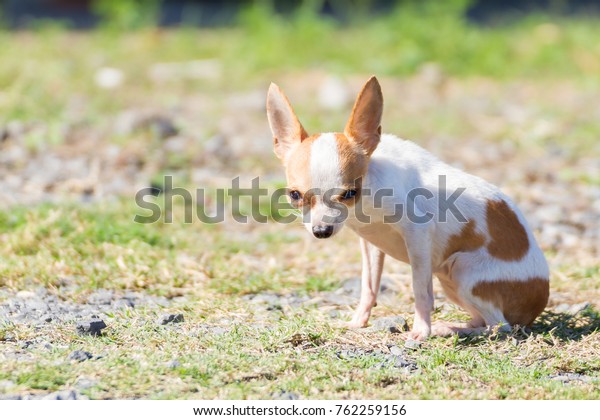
(261, 352)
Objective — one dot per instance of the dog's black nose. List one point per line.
(322, 232)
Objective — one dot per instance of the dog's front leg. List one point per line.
(372, 265)
(419, 254)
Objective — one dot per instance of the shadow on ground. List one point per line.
(567, 326)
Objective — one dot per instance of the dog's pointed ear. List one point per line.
(364, 125)
(285, 126)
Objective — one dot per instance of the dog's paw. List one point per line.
(359, 320)
(420, 334)
(354, 324)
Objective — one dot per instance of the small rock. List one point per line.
(124, 303)
(392, 324)
(85, 383)
(25, 344)
(108, 77)
(65, 395)
(395, 350)
(92, 327)
(412, 344)
(394, 361)
(80, 355)
(578, 307)
(570, 377)
(101, 297)
(349, 354)
(218, 330)
(284, 395)
(170, 319)
(173, 364)
(25, 294)
(4, 385)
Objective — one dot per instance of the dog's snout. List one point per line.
(322, 232)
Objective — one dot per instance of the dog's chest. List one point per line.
(385, 238)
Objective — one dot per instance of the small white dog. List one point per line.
(394, 195)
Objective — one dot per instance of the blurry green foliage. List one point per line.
(127, 14)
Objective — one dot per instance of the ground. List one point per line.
(258, 308)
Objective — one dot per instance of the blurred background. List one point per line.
(100, 98)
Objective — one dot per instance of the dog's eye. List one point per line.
(349, 194)
(295, 195)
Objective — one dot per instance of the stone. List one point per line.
(6, 384)
(392, 324)
(173, 364)
(109, 77)
(25, 294)
(65, 395)
(170, 319)
(284, 395)
(578, 307)
(395, 350)
(101, 297)
(571, 377)
(84, 383)
(412, 344)
(80, 355)
(91, 327)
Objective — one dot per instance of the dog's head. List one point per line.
(325, 171)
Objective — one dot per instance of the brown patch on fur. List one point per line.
(285, 126)
(364, 124)
(467, 240)
(353, 165)
(298, 166)
(520, 301)
(509, 241)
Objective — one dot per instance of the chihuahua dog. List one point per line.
(483, 252)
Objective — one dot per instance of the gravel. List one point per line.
(412, 344)
(571, 377)
(391, 324)
(80, 355)
(382, 360)
(173, 364)
(284, 395)
(42, 307)
(70, 394)
(91, 327)
(170, 319)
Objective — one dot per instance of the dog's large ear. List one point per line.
(285, 126)
(364, 125)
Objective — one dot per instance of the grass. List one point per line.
(259, 353)
(528, 85)
(396, 44)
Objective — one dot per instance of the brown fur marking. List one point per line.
(353, 166)
(298, 168)
(520, 301)
(363, 126)
(509, 241)
(467, 240)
